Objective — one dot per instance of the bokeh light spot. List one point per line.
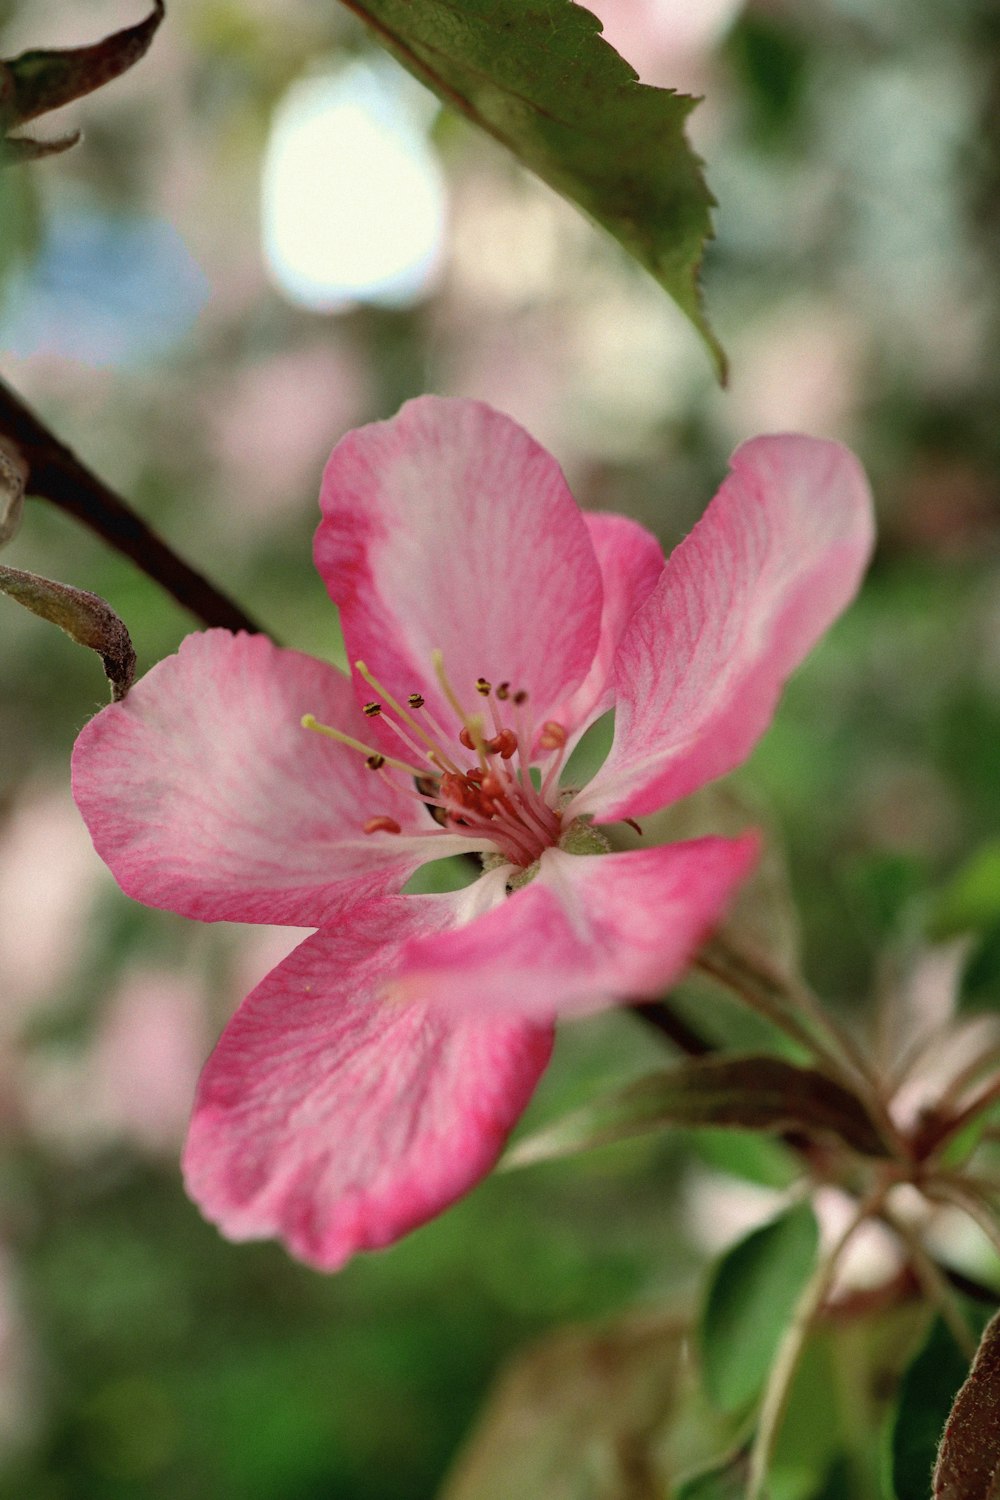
(353, 198)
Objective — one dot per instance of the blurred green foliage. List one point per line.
(853, 147)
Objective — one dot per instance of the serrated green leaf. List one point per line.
(751, 1298)
(538, 77)
(758, 1092)
(968, 1461)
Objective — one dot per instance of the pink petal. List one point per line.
(631, 561)
(587, 932)
(205, 795)
(449, 528)
(778, 554)
(336, 1119)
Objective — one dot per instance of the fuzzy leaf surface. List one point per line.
(84, 617)
(968, 1461)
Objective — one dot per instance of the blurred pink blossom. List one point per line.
(665, 40)
(271, 424)
(133, 1081)
(48, 885)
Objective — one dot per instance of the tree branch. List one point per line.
(663, 1018)
(57, 475)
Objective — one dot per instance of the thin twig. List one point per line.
(948, 1129)
(57, 475)
(969, 1201)
(663, 1018)
(784, 1003)
(935, 1283)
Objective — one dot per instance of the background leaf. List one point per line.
(577, 1417)
(723, 1481)
(757, 1092)
(971, 899)
(539, 78)
(750, 1299)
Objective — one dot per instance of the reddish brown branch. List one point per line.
(57, 475)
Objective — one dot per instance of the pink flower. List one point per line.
(373, 1076)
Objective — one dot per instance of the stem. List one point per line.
(777, 1000)
(983, 1101)
(970, 1202)
(660, 1015)
(984, 1062)
(762, 993)
(57, 475)
(934, 1283)
(779, 1385)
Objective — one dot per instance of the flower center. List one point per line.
(496, 800)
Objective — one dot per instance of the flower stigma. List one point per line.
(517, 816)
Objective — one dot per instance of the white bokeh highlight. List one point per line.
(353, 200)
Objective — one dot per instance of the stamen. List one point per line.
(375, 762)
(437, 658)
(309, 721)
(433, 722)
(382, 824)
(553, 735)
(407, 718)
(483, 687)
(520, 697)
(372, 710)
(503, 691)
(416, 700)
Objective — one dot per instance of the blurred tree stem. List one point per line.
(663, 1018)
(54, 473)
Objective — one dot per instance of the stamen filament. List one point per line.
(435, 726)
(404, 714)
(552, 774)
(309, 721)
(437, 658)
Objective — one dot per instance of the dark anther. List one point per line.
(372, 710)
(375, 762)
(416, 700)
(503, 691)
(520, 697)
(483, 687)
